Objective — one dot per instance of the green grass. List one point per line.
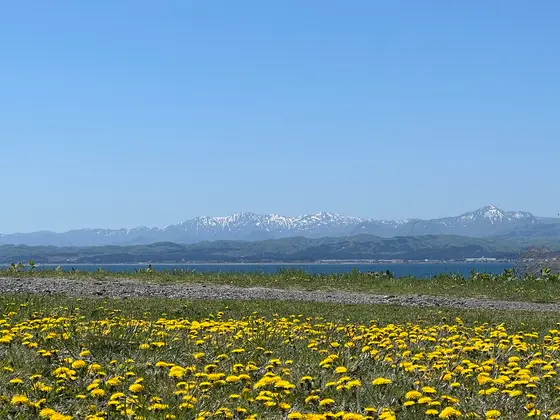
(299, 336)
(505, 286)
(154, 308)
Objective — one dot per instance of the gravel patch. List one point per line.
(121, 288)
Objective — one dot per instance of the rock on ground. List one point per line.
(122, 288)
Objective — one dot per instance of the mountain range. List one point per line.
(488, 221)
(293, 249)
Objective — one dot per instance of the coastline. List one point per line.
(273, 263)
(268, 263)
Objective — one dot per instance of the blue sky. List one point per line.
(118, 114)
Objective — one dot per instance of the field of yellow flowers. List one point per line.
(96, 362)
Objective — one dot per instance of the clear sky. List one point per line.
(118, 114)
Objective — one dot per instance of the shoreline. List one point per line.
(130, 288)
(333, 262)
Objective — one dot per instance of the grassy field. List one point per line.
(506, 286)
(162, 359)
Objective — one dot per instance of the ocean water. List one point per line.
(399, 270)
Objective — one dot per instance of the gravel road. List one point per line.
(129, 289)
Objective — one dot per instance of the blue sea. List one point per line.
(399, 270)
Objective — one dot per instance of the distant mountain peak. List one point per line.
(494, 215)
(492, 208)
(489, 208)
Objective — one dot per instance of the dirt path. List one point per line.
(130, 288)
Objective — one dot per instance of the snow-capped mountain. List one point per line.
(252, 224)
(486, 221)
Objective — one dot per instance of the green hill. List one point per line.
(295, 249)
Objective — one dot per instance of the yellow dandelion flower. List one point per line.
(136, 388)
(448, 412)
(326, 401)
(97, 392)
(19, 400)
(413, 395)
(47, 413)
(284, 406)
(78, 364)
(381, 381)
(176, 372)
